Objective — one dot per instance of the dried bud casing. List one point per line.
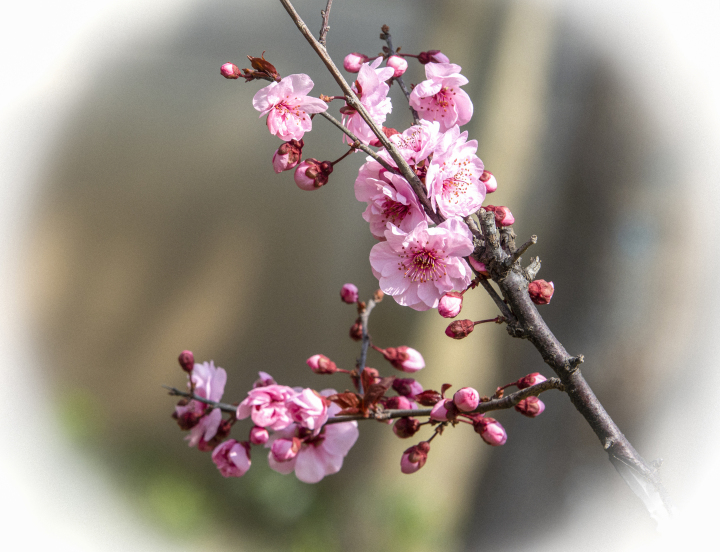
(428, 398)
(460, 329)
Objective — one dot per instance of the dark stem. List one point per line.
(325, 26)
(351, 150)
(357, 143)
(519, 252)
(364, 318)
(399, 79)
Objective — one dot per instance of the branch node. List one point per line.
(608, 443)
(573, 363)
(520, 251)
(533, 268)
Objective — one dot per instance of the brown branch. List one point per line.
(364, 319)
(388, 39)
(355, 103)
(357, 144)
(519, 252)
(325, 25)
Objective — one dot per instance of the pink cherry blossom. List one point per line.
(353, 62)
(232, 458)
(439, 98)
(284, 450)
(319, 455)
(308, 409)
(466, 399)
(389, 198)
(209, 384)
(418, 267)
(453, 177)
(267, 406)
(288, 106)
(264, 380)
(259, 435)
(399, 65)
(416, 143)
(372, 93)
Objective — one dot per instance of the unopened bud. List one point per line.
(230, 71)
(187, 361)
(530, 380)
(320, 364)
(311, 174)
(428, 398)
(530, 407)
(259, 435)
(490, 430)
(443, 411)
(414, 458)
(356, 330)
(541, 291)
(407, 387)
(450, 304)
(489, 180)
(404, 358)
(503, 216)
(466, 399)
(479, 266)
(264, 380)
(283, 450)
(398, 403)
(398, 64)
(406, 427)
(287, 156)
(349, 293)
(354, 61)
(460, 329)
(432, 56)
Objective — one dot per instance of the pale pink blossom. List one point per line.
(450, 304)
(439, 98)
(353, 62)
(206, 428)
(466, 399)
(308, 409)
(372, 91)
(232, 458)
(267, 406)
(349, 293)
(389, 198)
(209, 384)
(416, 143)
(453, 177)
(288, 106)
(399, 65)
(418, 267)
(319, 455)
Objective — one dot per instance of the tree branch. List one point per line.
(364, 319)
(388, 39)
(325, 26)
(357, 144)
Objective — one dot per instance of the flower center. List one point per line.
(423, 265)
(394, 211)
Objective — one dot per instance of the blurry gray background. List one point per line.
(143, 218)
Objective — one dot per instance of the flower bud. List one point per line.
(406, 427)
(264, 380)
(399, 64)
(466, 399)
(356, 330)
(443, 411)
(230, 71)
(407, 387)
(232, 458)
(354, 61)
(259, 435)
(541, 291)
(349, 293)
(283, 450)
(489, 180)
(287, 156)
(187, 361)
(450, 304)
(478, 266)
(503, 216)
(311, 174)
(414, 458)
(491, 431)
(404, 358)
(460, 329)
(530, 380)
(428, 398)
(432, 56)
(398, 403)
(320, 364)
(530, 407)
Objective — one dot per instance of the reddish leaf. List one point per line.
(351, 412)
(346, 400)
(444, 388)
(428, 397)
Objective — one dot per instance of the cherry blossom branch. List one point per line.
(641, 476)
(355, 103)
(388, 38)
(364, 319)
(357, 144)
(325, 25)
(175, 392)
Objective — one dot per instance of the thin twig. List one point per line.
(214, 404)
(354, 102)
(357, 144)
(399, 79)
(364, 319)
(519, 252)
(507, 313)
(325, 25)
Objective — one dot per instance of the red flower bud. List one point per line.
(230, 71)
(489, 180)
(490, 430)
(407, 387)
(187, 361)
(311, 174)
(320, 364)
(432, 56)
(450, 304)
(530, 380)
(406, 427)
(287, 156)
(503, 216)
(460, 329)
(349, 293)
(415, 457)
(541, 291)
(530, 407)
(404, 358)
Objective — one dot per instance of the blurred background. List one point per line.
(141, 217)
